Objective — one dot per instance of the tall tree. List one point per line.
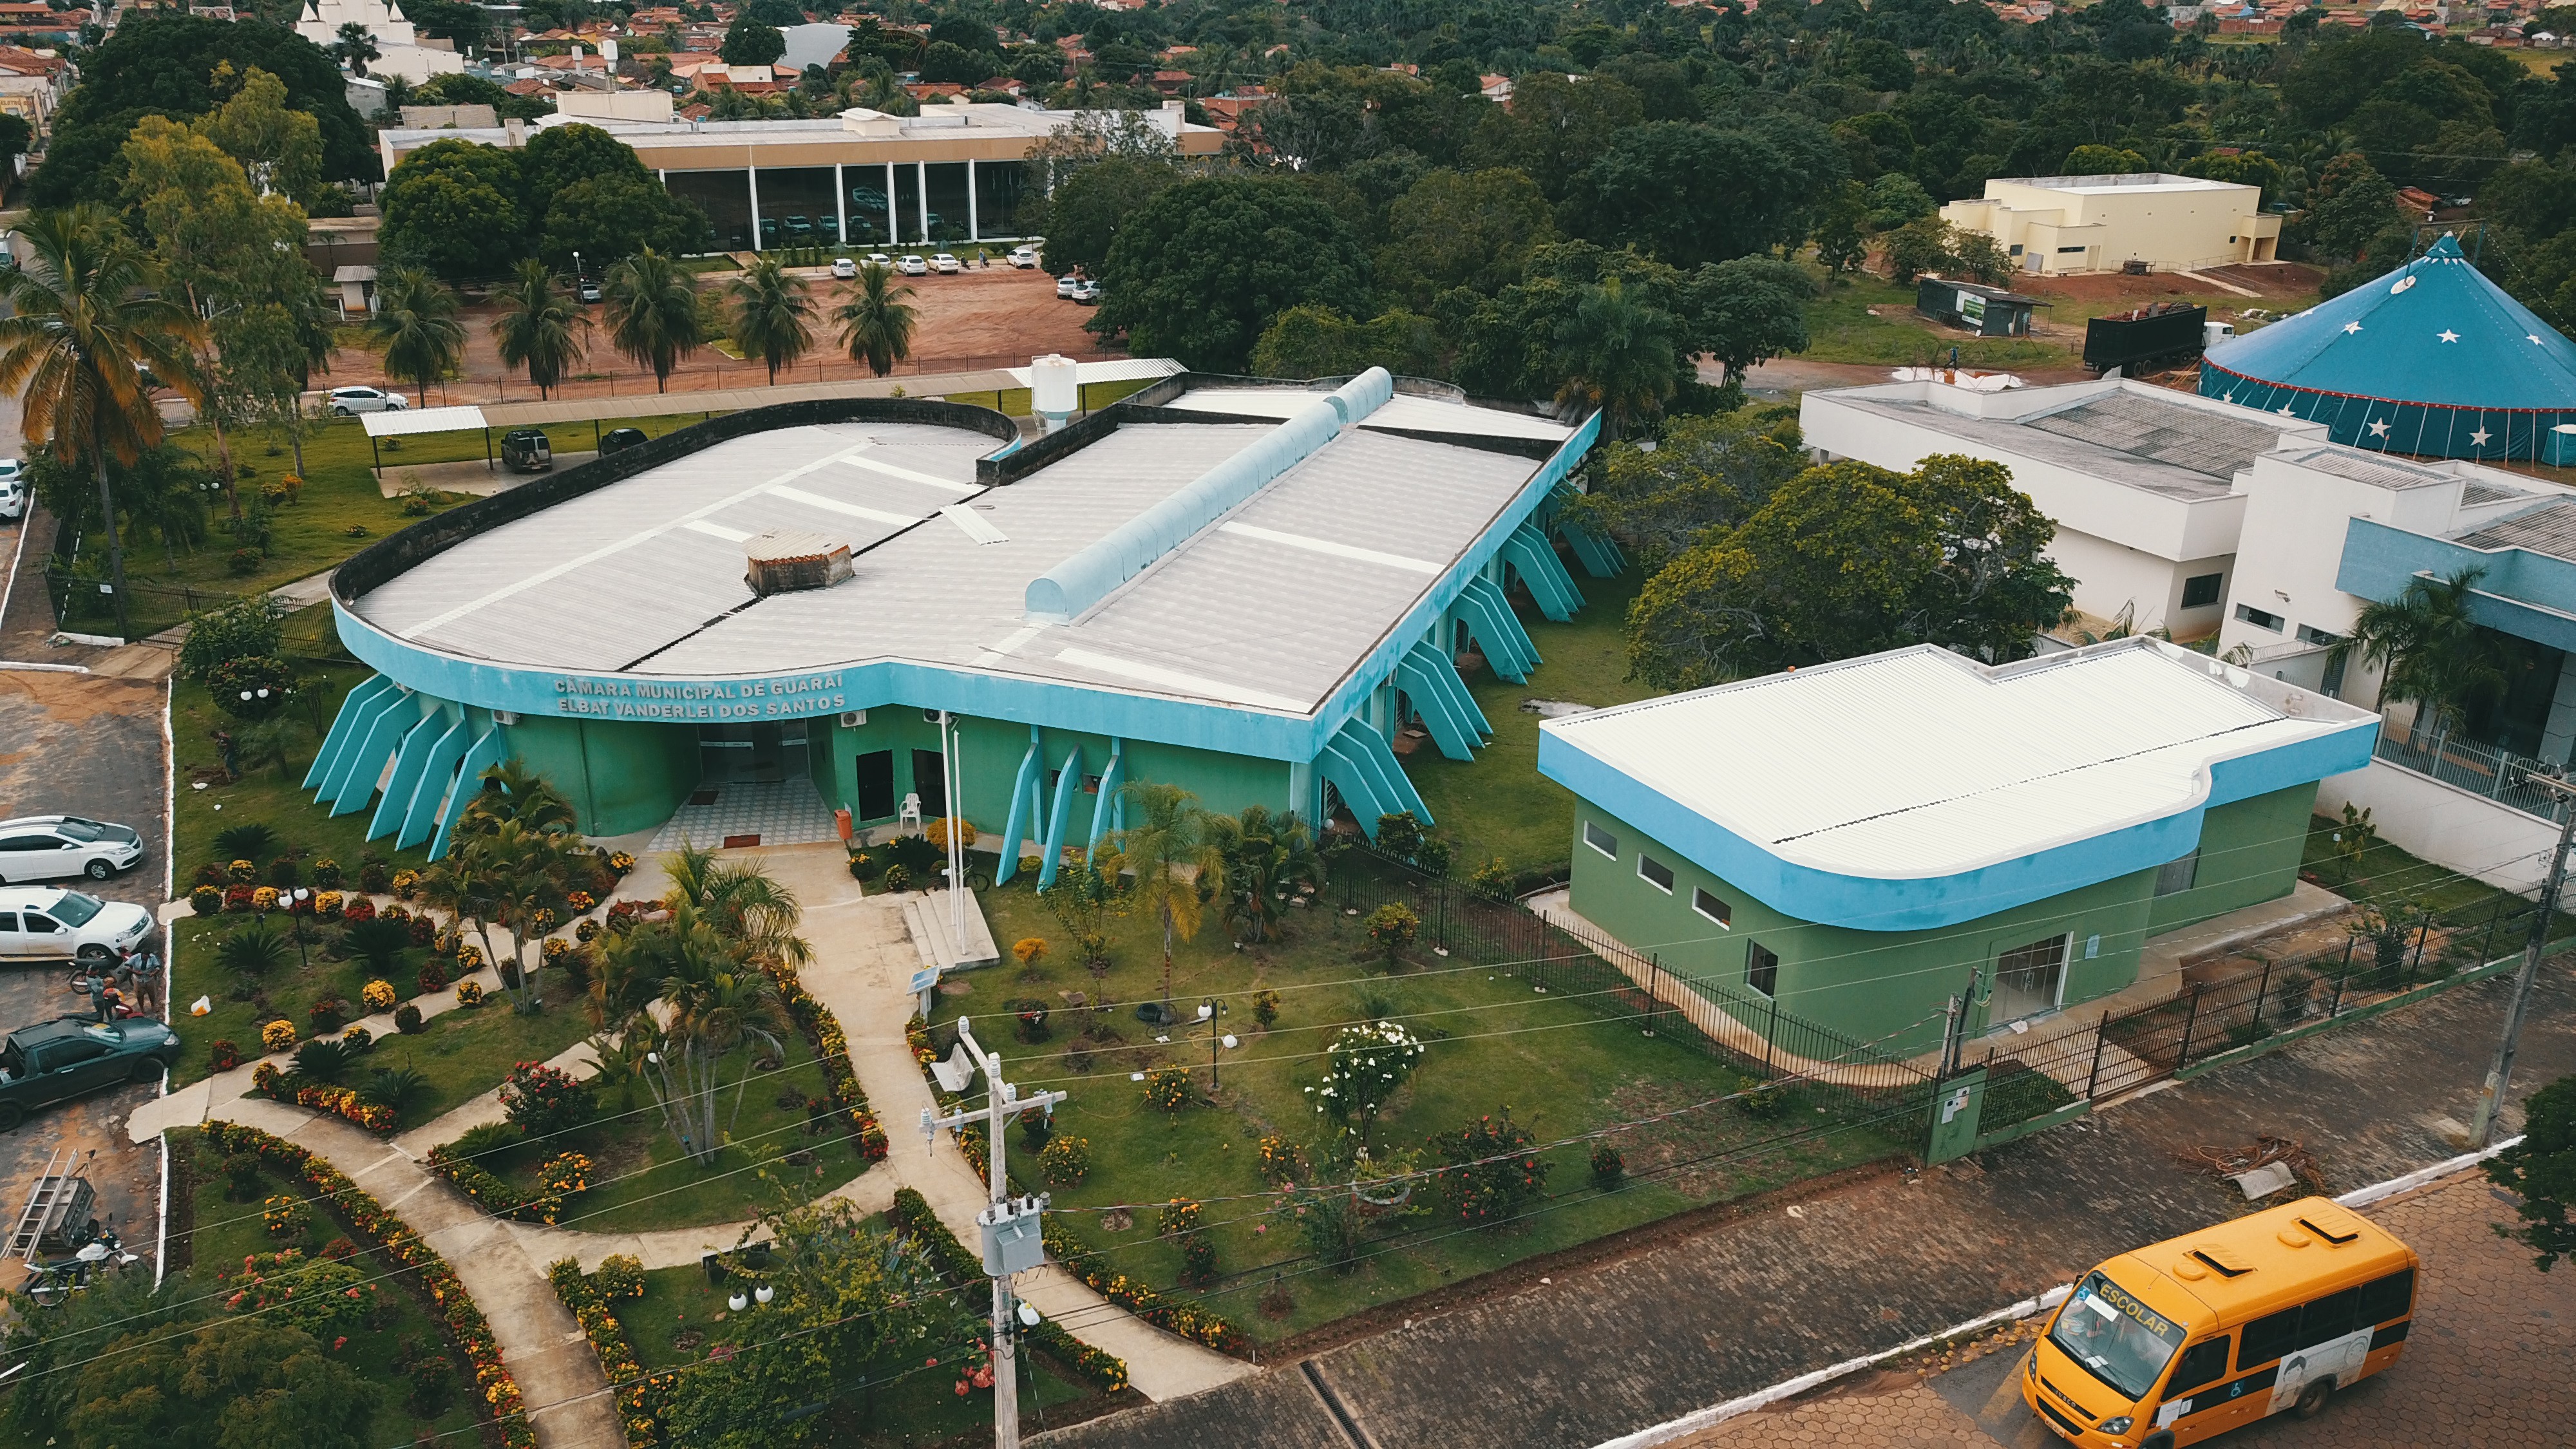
(653, 313)
(1452, 230)
(86, 325)
(1176, 857)
(2429, 649)
(1201, 269)
(2540, 1171)
(748, 42)
(540, 326)
(279, 147)
(1618, 351)
(876, 321)
(455, 208)
(770, 315)
(415, 325)
(1268, 859)
(1705, 474)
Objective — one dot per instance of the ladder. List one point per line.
(54, 1194)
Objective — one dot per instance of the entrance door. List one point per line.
(2028, 980)
(876, 785)
(741, 754)
(928, 784)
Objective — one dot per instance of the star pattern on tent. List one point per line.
(2448, 335)
(2479, 438)
(2350, 328)
(2285, 411)
(2379, 429)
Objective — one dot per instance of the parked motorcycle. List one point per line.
(51, 1281)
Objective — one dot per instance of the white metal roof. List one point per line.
(402, 424)
(1919, 763)
(1116, 369)
(1405, 411)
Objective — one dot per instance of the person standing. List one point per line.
(96, 985)
(150, 979)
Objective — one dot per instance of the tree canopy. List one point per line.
(1202, 266)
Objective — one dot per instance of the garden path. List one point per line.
(540, 1342)
(862, 969)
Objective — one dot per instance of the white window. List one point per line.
(2260, 619)
(1601, 840)
(1713, 908)
(1655, 873)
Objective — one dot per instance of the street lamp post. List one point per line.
(295, 915)
(1209, 1011)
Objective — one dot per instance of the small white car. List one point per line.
(1086, 292)
(53, 847)
(48, 923)
(588, 291)
(348, 401)
(1068, 284)
(946, 264)
(879, 259)
(13, 488)
(1024, 258)
(844, 268)
(911, 264)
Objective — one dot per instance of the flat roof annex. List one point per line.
(2151, 440)
(1918, 787)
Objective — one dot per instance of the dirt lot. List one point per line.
(88, 744)
(996, 316)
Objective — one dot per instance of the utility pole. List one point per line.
(1012, 1240)
(2499, 1076)
(952, 773)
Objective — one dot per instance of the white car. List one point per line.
(346, 401)
(879, 259)
(844, 268)
(48, 923)
(53, 847)
(13, 488)
(588, 291)
(912, 265)
(1086, 292)
(1024, 258)
(1068, 284)
(945, 263)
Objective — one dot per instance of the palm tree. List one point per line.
(741, 900)
(1618, 353)
(876, 322)
(355, 45)
(415, 325)
(513, 792)
(540, 326)
(1175, 857)
(1267, 858)
(772, 317)
(2431, 651)
(711, 1001)
(653, 313)
(85, 327)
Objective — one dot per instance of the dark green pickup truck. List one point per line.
(72, 1056)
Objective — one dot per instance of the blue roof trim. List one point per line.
(1882, 904)
(2525, 593)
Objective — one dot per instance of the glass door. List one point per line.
(2028, 980)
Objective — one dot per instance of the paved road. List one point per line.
(87, 744)
(1707, 1316)
(2486, 1364)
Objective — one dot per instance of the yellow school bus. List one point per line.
(2183, 1341)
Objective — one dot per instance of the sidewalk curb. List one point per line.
(1717, 1414)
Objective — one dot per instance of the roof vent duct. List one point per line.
(786, 559)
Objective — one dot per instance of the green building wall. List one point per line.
(620, 776)
(1893, 984)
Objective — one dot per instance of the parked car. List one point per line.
(879, 259)
(1024, 258)
(911, 264)
(1068, 284)
(944, 263)
(844, 268)
(346, 401)
(48, 923)
(588, 290)
(57, 847)
(55, 1061)
(528, 450)
(618, 440)
(13, 488)
(1086, 293)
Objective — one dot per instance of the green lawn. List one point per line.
(884, 1404)
(1844, 330)
(1559, 1067)
(1498, 804)
(2388, 874)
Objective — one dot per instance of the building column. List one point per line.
(894, 232)
(1304, 795)
(974, 215)
(840, 206)
(2558, 737)
(751, 175)
(921, 197)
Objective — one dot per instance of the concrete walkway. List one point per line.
(863, 963)
(541, 1343)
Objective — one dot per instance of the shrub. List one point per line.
(241, 1176)
(407, 1019)
(1265, 1006)
(433, 976)
(277, 1035)
(898, 879)
(241, 872)
(1278, 1157)
(283, 872)
(1029, 951)
(582, 902)
(1032, 1017)
(1493, 1168)
(619, 1276)
(224, 1056)
(1492, 880)
(209, 874)
(358, 911)
(358, 1040)
(1198, 1257)
(469, 993)
(1168, 1088)
(373, 878)
(405, 884)
(1066, 1160)
(324, 1297)
(1364, 1067)
(587, 932)
(1392, 927)
(544, 1100)
(1764, 1101)
(322, 1061)
(263, 899)
(237, 899)
(242, 844)
(377, 995)
(326, 904)
(621, 862)
(206, 900)
(282, 1215)
(326, 874)
(1608, 1166)
(328, 1013)
(229, 681)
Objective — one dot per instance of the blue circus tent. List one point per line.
(2432, 359)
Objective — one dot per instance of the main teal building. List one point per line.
(1245, 588)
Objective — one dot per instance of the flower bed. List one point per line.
(500, 1392)
(505, 1199)
(912, 1216)
(269, 1082)
(823, 1031)
(640, 1396)
(1193, 1323)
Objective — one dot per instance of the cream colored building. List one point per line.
(399, 47)
(2098, 223)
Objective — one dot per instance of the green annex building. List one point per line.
(1860, 841)
(1244, 588)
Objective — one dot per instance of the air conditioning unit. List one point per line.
(930, 716)
(853, 718)
(505, 716)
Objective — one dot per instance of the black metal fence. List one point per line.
(83, 605)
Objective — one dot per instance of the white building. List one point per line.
(399, 48)
(2143, 482)
(2097, 223)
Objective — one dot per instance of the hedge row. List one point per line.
(500, 1198)
(948, 1257)
(466, 1322)
(823, 1030)
(641, 1397)
(1190, 1322)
